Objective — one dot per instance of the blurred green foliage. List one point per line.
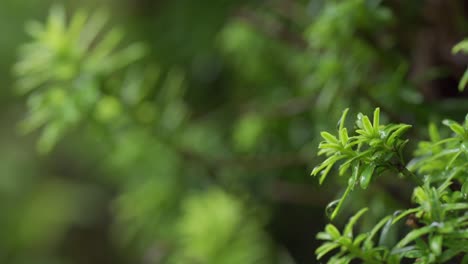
(183, 132)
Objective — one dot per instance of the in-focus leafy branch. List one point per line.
(439, 221)
(371, 149)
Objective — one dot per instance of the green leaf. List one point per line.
(450, 253)
(348, 231)
(328, 149)
(359, 239)
(359, 123)
(333, 231)
(413, 235)
(375, 230)
(329, 161)
(324, 173)
(436, 244)
(455, 127)
(326, 166)
(325, 248)
(49, 137)
(56, 21)
(376, 120)
(343, 168)
(384, 235)
(366, 175)
(340, 260)
(391, 139)
(344, 136)
(465, 124)
(323, 236)
(435, 205)
(340, 203)
(433, 133)
(367, 125)
(342, 119)
(329, 137)
(464, 188)
(461, 46)
(77, 23)
(455, 206)
(345, 241)
(463, 81)
(448, 180)
(452, 160)
(92, 29)
(354, 177)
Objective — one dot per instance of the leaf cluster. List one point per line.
(371, 149)
(67, 71)
(438, 221)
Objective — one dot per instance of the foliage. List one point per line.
(438, 221)
(91, 80)
(373, 150)
(462, 47)
(78, 74)
(229, 229)
(188, 138)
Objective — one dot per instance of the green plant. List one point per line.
(83, 62)
(93, 84)
(462, 47)
(439, 169)
(200, 136)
